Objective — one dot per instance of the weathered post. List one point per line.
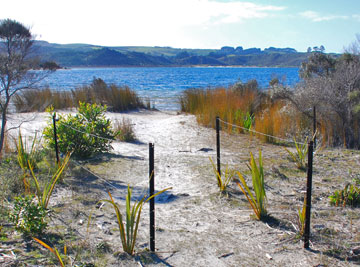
(308, 195)
(314, 126)
(55, 140)
(151, 193)
(218, 144)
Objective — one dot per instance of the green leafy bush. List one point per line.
(349, 196)
(28, 216)
(85, 134)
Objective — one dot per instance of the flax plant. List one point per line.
(257, 202)
(300, 155)
(223, 181)
(128, 226)
(26, 158)
(43, 195)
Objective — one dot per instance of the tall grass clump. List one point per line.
(36, 100)
(235, 104)
(125, 131)
(257, 200)
(117, 98)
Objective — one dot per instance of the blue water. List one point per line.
(164, 85)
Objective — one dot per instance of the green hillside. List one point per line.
(85, 55)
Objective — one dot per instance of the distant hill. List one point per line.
(85, 55)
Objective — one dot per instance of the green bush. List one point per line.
(85, 134)
(28, 216)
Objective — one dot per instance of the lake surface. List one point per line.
(164, 85)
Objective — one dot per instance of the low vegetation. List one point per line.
(349, 196)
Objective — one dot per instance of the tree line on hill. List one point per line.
(82, 55)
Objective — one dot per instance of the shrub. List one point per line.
(349, 196)
(85, 134)
(28, 216)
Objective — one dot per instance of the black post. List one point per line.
(308, 195)
(55, 139)
(152, 201)
(218, 144)
(314, 127)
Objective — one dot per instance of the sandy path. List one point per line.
(195, 225)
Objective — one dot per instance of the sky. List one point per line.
(209, 24)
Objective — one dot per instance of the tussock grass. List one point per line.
(230, 104)
(124, 130)
(246, 106)
(117, 99)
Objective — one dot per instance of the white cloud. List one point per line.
(357, 17)
(316, 17)
(113, 22)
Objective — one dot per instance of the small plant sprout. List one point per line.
(257, 202)
(223, 181)
(129, 225)
(301, 218)
(53, 250)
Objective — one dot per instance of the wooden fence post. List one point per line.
(151, 193)
(314, 126)
(55, 140)
(308, 195)
(218, 144)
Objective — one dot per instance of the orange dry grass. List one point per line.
(226, 103)
(272, 121)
